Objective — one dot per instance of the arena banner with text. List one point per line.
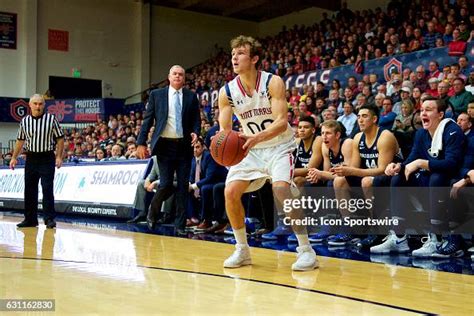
(66, 110)
(58, 40)
(8, 30)
(76, 110)
(101, 189)
(382, 67)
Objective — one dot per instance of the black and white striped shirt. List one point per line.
(39, 132)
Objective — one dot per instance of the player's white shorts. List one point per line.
(262, 164)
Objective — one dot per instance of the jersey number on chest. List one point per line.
(255, 128)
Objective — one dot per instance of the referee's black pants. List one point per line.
(39, 166)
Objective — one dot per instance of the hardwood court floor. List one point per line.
(118, 272)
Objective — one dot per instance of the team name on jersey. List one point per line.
(369, 156)
(255, 112)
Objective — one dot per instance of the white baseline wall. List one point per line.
(104, 42)
(188, 38)
(18, 66)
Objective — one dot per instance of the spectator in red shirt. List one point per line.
(352, 84)
(295, 97)
(433, 87)
(433, 70)
(421, 81)
(303, 110)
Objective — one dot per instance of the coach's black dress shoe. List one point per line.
(50, 223)
(165, 219)
(150, 220)
(25, 223)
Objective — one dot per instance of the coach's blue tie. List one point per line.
(178, 112)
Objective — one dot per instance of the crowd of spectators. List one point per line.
(104, 140)
(349, 37)
(114, 139)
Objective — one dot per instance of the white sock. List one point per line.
(302, 239)
(240, 236)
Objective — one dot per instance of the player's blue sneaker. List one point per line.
(252, 224)
(449, 248)
(342, 240)
(280, 231)
(292, 238)
(319, 237)
(229, 231)
(369, 241)
(230, 240)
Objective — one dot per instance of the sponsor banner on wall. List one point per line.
(75, 111)
(8, 30)
(13, 109)
(65, 110)
(382, 67)
(98, 189)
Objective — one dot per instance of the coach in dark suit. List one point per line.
(175, 112)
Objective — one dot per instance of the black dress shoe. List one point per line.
(165, 219)
(50, 223)
(139, 218)
(150, 221)
(25, 223)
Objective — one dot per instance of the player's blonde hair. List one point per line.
(242, 40)
(334, 125)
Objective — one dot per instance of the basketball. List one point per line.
(226, 148)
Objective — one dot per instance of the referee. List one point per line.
(40, 131)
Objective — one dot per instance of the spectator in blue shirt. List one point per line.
(429, 39)
(348, 119)
(387, 117)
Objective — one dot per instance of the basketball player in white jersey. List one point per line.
(257, 98)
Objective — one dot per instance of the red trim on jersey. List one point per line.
(241, 87)
(257, 84)
(259, 75)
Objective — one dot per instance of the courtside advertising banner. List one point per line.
(98, 189)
